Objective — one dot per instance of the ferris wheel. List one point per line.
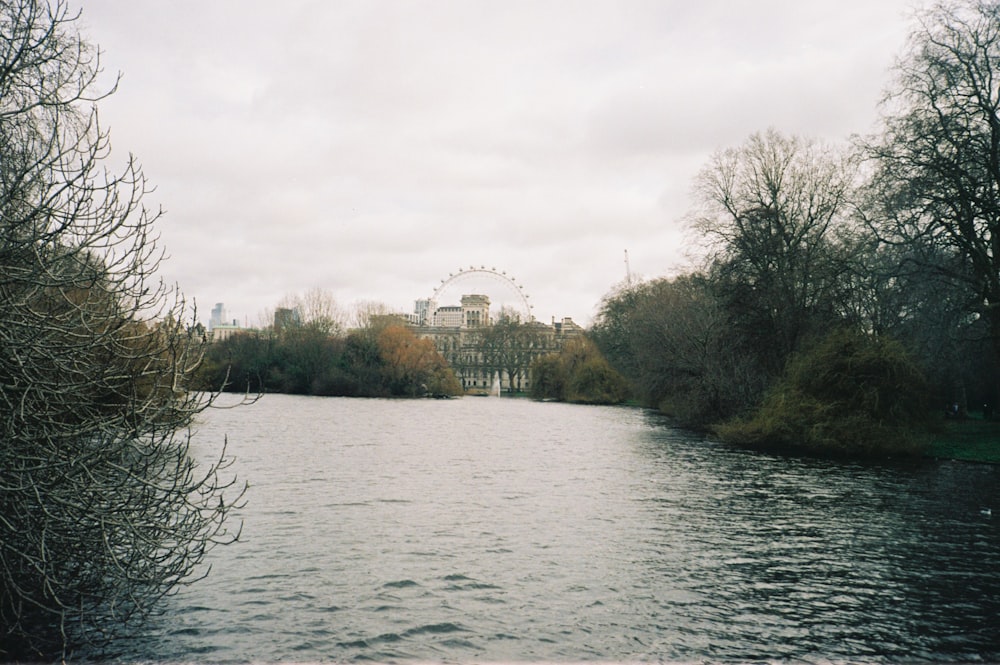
(508, 284)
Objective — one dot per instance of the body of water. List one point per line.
(487, 529)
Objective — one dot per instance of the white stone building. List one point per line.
(479, 349)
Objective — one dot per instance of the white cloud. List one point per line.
(371, 147)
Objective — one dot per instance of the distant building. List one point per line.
(219, 329)
(461, 333)
(224, 331)
(475, 311)
(218, 317)
(286, 317)
(423, 310)
(448, 317)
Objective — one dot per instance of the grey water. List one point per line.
(492, 529)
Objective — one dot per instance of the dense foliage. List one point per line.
(579, 374)
(102, 511)
(849, 394)
(671, 339)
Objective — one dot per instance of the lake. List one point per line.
(495, 529)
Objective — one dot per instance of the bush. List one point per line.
(595, 382)
(578, 373)
(849, 394)
(548, 378)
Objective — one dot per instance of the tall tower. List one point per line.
(423, 311)
(218, 316)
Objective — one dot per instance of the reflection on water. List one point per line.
(495, 529)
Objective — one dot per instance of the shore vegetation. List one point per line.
(103, 510)
(849, 295)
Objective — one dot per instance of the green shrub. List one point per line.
(548, 378)
(578, 373)
(850, 394)
(595, 382)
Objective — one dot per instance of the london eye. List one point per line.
(501, 288)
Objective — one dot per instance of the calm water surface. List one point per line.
(488, 529)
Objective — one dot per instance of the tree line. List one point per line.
(314, 355)
(850, 293)
(313, 352)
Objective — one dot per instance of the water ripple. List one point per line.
(507, 530)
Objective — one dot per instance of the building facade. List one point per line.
(220, 328)
(483, 351)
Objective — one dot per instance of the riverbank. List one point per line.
(970, 439)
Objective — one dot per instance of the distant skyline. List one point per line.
(371, 147)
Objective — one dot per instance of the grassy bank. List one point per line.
(971, 439)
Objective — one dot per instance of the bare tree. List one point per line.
(319, 310)
(102, 509)
(771, 206)
(508, 347)
(937, 163)
(370, 313)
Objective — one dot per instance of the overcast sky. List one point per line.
(372, 147)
